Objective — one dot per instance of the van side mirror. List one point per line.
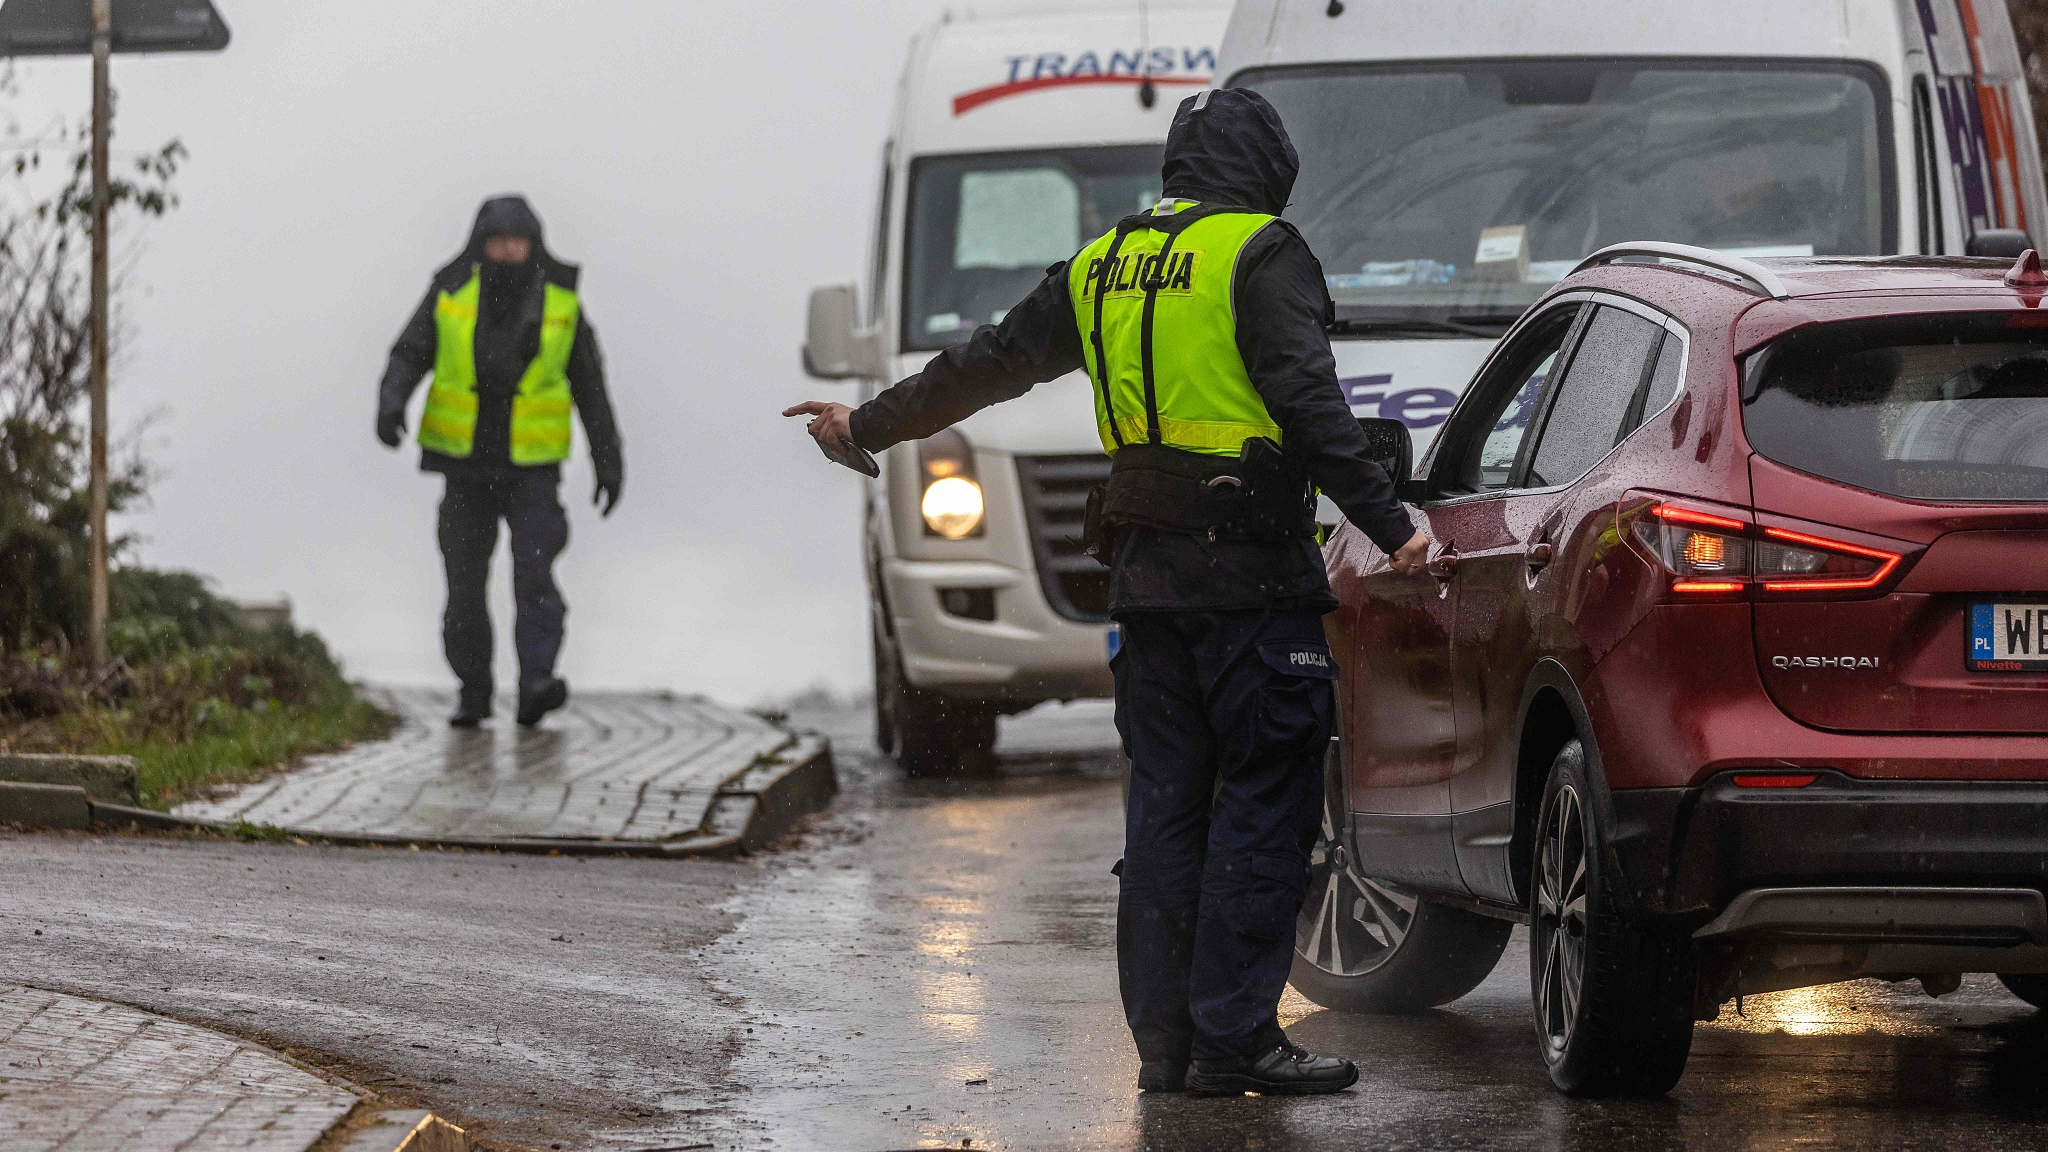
(1389, 446)
(2004, 243)
(835, 347)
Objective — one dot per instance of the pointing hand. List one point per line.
(833, 427)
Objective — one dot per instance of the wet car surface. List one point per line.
(922, 936)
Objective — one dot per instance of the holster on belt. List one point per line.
(1260, 495)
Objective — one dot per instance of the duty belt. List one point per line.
(1260, 495)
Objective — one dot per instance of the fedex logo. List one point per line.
(1415, 407)
(1184, 66)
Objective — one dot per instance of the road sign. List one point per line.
(100, 28)
(64, 27)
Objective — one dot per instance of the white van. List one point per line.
(1460, 156)
(1014, 141)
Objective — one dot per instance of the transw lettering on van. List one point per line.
(1184, 66)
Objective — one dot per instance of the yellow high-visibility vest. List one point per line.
(1159, 333)
(541, 406)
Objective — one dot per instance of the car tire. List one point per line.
(1612, 997)
(1368, 945)
(2029, 986)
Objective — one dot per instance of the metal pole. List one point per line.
(102, 114)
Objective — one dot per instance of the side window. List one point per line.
(1492, 437)
(1586, 415)
(878, 265)
(1659, 385)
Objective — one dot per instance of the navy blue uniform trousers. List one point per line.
(1226, 717)
(470, 510)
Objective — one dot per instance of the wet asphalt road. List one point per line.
(931, 963)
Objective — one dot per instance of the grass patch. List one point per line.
(231, 745)
(198, 697)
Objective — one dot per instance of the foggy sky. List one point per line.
(705, 163)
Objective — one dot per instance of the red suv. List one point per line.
(1730, 674)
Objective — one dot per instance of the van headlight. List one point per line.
(952, 503)
(952, 507)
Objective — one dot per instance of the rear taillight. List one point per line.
(1774, 779)
(1712, 555)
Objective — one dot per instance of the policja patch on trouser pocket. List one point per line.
(1295, 709)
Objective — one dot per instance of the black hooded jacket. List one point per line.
(507, 339)
(1225, 148)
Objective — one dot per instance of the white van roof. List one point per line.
(1302, 31)
(1055, 76)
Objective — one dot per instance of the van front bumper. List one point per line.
(1026, 655)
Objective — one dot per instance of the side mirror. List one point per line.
(1389, 446)
(2004, 243)
(835, 348)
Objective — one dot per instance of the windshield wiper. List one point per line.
(1482, 327)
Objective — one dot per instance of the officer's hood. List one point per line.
(508, 216)
(1227, 147)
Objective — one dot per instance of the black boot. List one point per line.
(1163, 1076)
(473, 709)
(1283, 1070)
(540, 698)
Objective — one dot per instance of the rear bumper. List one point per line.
(1690, 852)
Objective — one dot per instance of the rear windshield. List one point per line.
(1949, 408)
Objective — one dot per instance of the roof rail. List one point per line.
(1765, 280)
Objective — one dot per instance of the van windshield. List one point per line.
(983, 229)
(1952, 408)
(1461, 191)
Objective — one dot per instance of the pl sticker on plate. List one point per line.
(2009, 638)
(1114, 640)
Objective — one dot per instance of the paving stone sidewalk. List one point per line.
(663, 772)
(86, 1076)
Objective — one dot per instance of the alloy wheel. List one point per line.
(1349, 924)
(1559, 929)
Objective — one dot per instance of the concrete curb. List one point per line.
(44, 805)
(753, 808)
(111, 779)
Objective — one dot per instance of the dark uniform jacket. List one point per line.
(507, 339)
(1231, 152)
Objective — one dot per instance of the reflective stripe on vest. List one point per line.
(1161, 342)
(540, 408)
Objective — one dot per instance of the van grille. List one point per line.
(1055, 492)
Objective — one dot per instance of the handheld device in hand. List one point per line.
(855, 457)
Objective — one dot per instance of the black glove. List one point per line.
(609, 483)
(391, 427)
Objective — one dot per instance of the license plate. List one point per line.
(2008, 637)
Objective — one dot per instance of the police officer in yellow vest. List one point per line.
(511, 351)
(1201, 325)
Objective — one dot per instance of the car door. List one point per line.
(1511, 562)
(1401, 724)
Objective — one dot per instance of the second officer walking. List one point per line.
(504, 333)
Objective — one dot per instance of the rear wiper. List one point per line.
(1475, 327)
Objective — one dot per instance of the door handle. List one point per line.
(1539, 555)
(1444, 565)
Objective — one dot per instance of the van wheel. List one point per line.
(2028, 986)
(930, 734)
(1367, 945)
(940, 736)
(1613, 998)
(886, 690)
